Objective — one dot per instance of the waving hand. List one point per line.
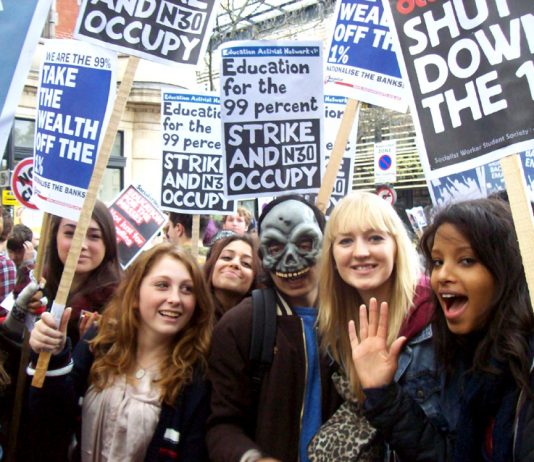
(375, 363)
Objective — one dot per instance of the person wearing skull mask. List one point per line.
(276, 421)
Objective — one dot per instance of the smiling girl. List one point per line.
(141, 375)
(231, 271)
(484, 342)
(367, 253)
(97, 273)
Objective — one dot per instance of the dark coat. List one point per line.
(57, 411)
(268, 420)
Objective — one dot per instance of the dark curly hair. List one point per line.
(488, 226)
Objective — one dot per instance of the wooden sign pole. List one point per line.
(195, 233)
(88, 205)
(516, 186)
(329, 179)
(25, 350)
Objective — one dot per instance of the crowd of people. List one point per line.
(305, 340)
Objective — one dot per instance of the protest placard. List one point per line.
(137, 220)
(21, 24)
(477, 182)
(166, 31)
(472, 79)
(417, 218)
(76, 83)
(272, 114)
(334, 107)
(58, 306)
(361, 60)
(192, 179)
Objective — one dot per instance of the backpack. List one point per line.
(263, 334)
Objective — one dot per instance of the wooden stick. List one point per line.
(329, 179)
(87, 209)
(195, 233)
(43, 242)
(516, 186)
(19, 396)
(25, 350)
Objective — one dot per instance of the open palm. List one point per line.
(375, 363)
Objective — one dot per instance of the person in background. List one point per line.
(141, 372)
(97, 273)
(209, 232)
(276, 419)
(20, 247)
(368, 255)
(8, 270)
(239, 222)
(484, 340)
(96, 277)
(180, 231)
(11, 330)
(231, 271)
(7, 227)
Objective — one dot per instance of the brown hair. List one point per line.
(106, 274)
(115, 345)
(220, 245)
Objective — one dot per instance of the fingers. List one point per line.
(87, 319)
(364, 327)
(382, 330)
(28, 250)
(396, 347)
(65, 320)
(45, 336)
(354, 342)
(373, 316)
(374, 323)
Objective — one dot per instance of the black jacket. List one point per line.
(57, 412)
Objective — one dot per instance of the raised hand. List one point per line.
(87, 320)
(46, 336)
(375, 363)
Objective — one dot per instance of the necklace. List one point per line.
(142, 371)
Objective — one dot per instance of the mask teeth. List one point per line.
(292, 275)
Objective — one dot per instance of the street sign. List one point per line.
(8, 198)
(22, 182)
(387, 193)
(385, 154)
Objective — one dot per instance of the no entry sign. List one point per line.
(22, 182)
(387, 193)
(386, 162)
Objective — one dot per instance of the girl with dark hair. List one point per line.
(231, 271)
(96, 277)
(483, 331)
(141, 375)
(97, 273)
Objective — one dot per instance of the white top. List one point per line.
(119, 422)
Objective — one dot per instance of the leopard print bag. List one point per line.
(347, 436)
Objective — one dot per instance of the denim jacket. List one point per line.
(418, 376)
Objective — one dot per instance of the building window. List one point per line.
(23, 133)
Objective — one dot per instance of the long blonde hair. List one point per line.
(115, 345)
(339, 302)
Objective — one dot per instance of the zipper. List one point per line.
(305, 381)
